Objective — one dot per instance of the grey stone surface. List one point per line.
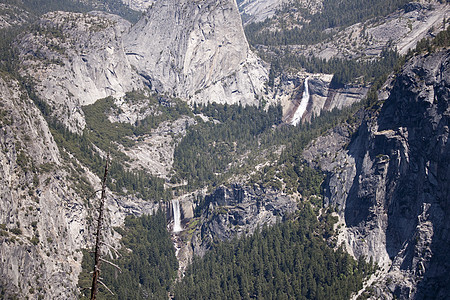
(50, 216)
(236, 211)
(196, 51)
(44, 217)
(76, 59)
(389, 181)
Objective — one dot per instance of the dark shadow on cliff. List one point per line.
(357, 208)
(403, 168)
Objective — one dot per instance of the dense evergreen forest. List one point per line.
(232, 141)
(290, 260)
(207, 151)
(275, 258)
(287, 261)
(147, 262)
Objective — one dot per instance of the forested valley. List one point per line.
(289, 260)
(293, 259)
(210, 146)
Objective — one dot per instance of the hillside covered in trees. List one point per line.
(287, 261)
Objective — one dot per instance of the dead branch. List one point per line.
(104, 285)
(112, 264)
(112, 248)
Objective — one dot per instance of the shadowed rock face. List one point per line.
(417, 190)
(391, 183)
(231, 212)
(196, 50)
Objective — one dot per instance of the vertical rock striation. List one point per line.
(42, 218)
(46, 205)
(196, 50)
(391, 183)
(75, 59)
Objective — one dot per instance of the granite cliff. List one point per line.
(388, 179)
(47, 205)
(74, 59)
(231, 212)
(387, 174)
(196, 50)
(42, 216)
(258, 10)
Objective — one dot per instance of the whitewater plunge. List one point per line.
(176, 216)
(303, 105)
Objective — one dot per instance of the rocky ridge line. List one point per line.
(389, 179)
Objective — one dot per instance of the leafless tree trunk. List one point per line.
(96, 275)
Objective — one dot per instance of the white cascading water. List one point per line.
(303, 105)
(176, 216)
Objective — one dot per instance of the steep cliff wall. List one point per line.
(46, 204)
(42, 216)
(389, 181)
(75, 59)
(196, 50)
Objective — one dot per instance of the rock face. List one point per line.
(75, 59)
(401, 29)
(12, 16)
(230, 212)
(141, 5)
(42, 217)
(259, 10)
(44, 210)
(390, 183)
(154, 152)
(289, 90)
(196, 50)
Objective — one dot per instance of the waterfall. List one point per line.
(302, 107)
(176, 216)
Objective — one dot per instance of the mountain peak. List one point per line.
(196, 50)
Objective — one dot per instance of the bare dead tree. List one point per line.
(97, 258)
